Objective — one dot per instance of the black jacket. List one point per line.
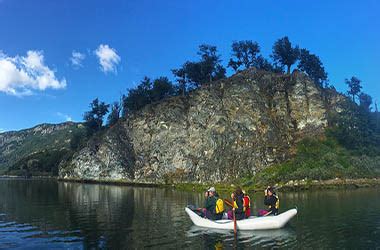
(239, 211)
(271, 201)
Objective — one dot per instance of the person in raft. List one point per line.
(214, 206)
(238, 207)
(246, 204)
(272, 201)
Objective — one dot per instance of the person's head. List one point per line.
(211, 191)
(270, 191)
(238, 191)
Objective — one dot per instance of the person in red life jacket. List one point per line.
(272, 201)
(246, 204)
(238, 207)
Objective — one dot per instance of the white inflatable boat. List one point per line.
(252, 223)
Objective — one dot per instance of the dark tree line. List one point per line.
(195, 74)
(246, 54)
(147, 92)
(207, 68)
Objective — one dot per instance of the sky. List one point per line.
(57, 56)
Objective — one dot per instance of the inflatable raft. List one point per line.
(252, 223)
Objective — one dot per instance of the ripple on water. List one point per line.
(267, 238)
(18, 235)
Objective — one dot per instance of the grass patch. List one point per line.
(320, 160)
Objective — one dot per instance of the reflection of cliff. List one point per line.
(99, 215)
(94, 212)
(98, 211)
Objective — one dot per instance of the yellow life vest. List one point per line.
(235, 204)
(277, 202)
(277, 205)
(219, 208)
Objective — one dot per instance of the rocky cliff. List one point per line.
(230, 128)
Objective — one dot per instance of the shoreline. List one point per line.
(293, 185)
(330, 184)
(111, 182)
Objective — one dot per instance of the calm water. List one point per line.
(45, 214)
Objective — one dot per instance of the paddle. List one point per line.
(235, 226)
(229, 203)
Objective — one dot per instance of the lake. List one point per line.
(46, 214)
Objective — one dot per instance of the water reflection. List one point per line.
(224, 238)
(45, 214)
(98, 211)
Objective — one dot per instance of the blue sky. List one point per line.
(116, 43)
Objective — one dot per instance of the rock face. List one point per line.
(108, 157)
(230, 128)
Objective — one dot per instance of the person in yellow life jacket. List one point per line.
(246, 204)
(272, 201)
(237, 197)
(214, 206)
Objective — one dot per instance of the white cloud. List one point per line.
(2, 130)
(76, 59)
(108, 58)
(21, 75)
(67, 118)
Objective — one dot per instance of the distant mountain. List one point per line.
(37, 150)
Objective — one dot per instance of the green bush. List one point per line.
(321, 160)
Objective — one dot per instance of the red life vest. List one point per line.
(247, 205)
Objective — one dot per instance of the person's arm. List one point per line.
(207, 203)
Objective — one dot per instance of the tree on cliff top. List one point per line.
(114, 115)
(138, 97)
(354, 85)
(161, 89)
(207, 69)
(312, 66)
(146, 92)
(94, 117)
(284, 54)
(210, 67)
(365, 101)
(181, 78)
(263, 64)
(244, 54)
